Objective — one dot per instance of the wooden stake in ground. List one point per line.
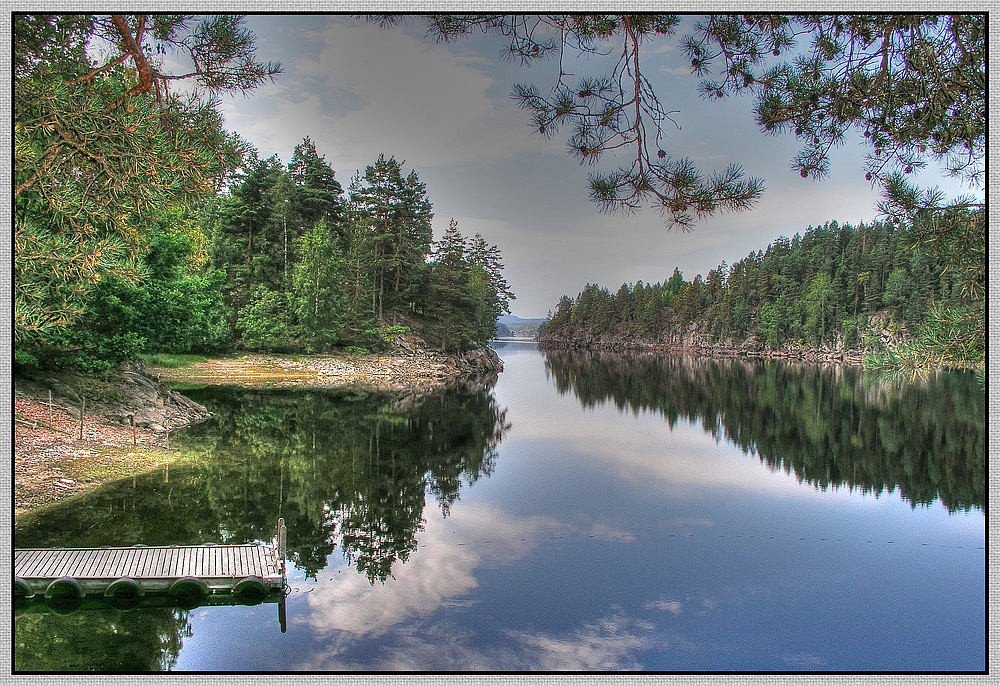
(50, 408)
(83, 407)
(131, 419)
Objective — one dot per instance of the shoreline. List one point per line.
(52, 463)
(129, 413)
(715, 351)
(372, 371)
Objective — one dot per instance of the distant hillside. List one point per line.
(512, 325)
(514, 319)
(835, 290)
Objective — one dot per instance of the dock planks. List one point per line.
(220, 566)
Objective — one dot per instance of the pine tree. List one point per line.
(398, 215)
(100, 148)
(317, 192)
(489, 258)
(317, 295)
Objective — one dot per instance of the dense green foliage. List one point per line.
(284, 262)
(100, 641)
(833, 287)
(103, 149)
(142, 226)
(176, 307)
(830, 426)
(307, 268)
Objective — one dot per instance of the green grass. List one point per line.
(171, 361)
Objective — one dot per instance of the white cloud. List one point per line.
(671, 606)
(438, 573)
(607, 645)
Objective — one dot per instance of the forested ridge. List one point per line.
(873, 288)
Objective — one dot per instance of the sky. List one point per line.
(445, 111)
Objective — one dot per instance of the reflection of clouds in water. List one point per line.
(441, 570)
(673, 606)
(395, 626)
(609, 644)
(652, 452)
(603, 532)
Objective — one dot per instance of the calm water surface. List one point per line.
(589, 512)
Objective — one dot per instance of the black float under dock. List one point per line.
(140, 576)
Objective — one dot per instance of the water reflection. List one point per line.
(444, 571)
(830, 426)
(100, 641)
(347, 469)
(610, 539)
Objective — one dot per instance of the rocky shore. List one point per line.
(717, 350)
(696, 341)
(73, 432)
(401, 370)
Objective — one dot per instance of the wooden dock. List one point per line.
(188, 574)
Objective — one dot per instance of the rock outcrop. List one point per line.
(119, 396)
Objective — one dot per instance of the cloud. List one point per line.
(359, 90)
(345, 613)
(439, 573)
(606, 645)
(672, 606)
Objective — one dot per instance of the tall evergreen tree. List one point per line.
(317, 296)
(398, 214)
(317, 192)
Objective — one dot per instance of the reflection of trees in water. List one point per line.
(100, 641)
(347, 468)
(829, 425)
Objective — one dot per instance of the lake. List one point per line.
(588, 512)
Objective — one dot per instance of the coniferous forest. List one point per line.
(835, 287)
(287, 261)
(142, 226)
